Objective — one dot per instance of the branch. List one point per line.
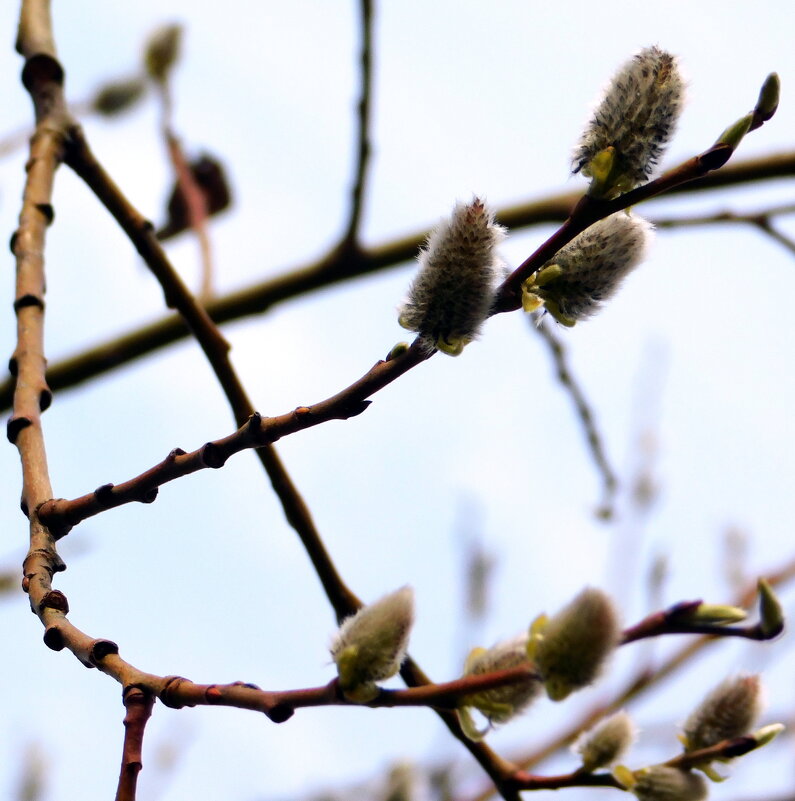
(363, 149)
(342, 266)
(43, 78)
(642, 681)
(584, 414)
(257, 432)
(138, 704)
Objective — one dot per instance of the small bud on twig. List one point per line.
(117, 96)
(162, 51)
(767, 104)
(585, 273)
(502, 703)
(730, 710)
(770, 611)
(371, 645)
(452, 294)
(632, 124)
(570, 648)
(606, 742)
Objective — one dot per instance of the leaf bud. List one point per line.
(769, 94)
(371, 645)
(714, 615)
(571, 647)
(770, 612)
(162, 51)
(117, 96)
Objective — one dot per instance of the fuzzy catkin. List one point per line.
(371, 645)
(452, 294)
(593, 265)
(606, 742)
(637, 117)
(664, 783)
(501, 703)
(730, 710)
(575, 643)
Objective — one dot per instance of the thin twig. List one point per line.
(363, 148)
(584, 414)
(138, 703)
(80, 158)
(343, 266)
(640, 682)
(342, 599)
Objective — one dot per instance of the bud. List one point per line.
(770, 612)
(501, 703)
(162, 51)
(767, 734)
(606, 742)
(585, 273)
(713, 615)
(729, 711)
(736, 132)
(451, 295)
(371, 645)
(632, 124)
(118, 96)
(664, 783)
(570, 648)
(767, 103)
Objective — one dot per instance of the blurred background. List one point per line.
(464, 467)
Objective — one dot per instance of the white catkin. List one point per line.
(637, 116)
(730, 710)
(452, 294)
(595, 263)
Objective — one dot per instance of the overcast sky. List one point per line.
(694, 355)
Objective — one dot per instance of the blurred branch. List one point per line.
(342, 266)
(643, 680)
(762, 220)
(583, 411)
(363, 148)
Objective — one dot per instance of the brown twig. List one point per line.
(196, 207)
(762, 220)
(679, 619)
(140, 232)
(256, 432)
(342, 599)
(43, 78)
(637, 684)
(363, 148)
(344, 265)
(138, 703)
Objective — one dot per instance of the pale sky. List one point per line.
(209, 582)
